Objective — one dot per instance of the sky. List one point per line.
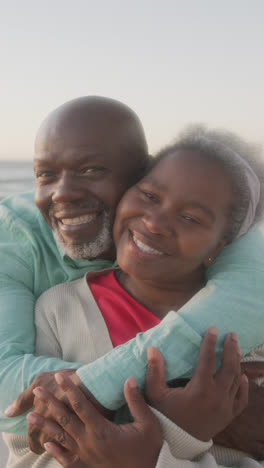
(174, 62)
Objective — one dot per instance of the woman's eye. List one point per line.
(149, 195)
(190, 219)
(146, 194)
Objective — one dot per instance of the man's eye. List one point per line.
(44, 174)
(91, 170)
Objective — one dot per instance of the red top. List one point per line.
(123, 315)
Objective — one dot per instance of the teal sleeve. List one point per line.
(233, 300)
(18, 365)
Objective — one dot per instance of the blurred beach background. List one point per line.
(15, 177)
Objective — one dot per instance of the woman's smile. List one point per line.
(142, 246)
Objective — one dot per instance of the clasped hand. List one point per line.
(203, 408)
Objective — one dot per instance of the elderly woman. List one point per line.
(199, 195)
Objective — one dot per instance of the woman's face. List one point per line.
(173, 220)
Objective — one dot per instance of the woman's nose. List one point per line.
(157, 223)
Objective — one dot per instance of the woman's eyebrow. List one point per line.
(150, 180)
(207, 210)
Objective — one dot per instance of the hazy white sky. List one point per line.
(173, 61)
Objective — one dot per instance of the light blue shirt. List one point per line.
(31, 263)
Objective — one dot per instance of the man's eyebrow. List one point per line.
(86, 156)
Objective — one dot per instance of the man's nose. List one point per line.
(67, 189)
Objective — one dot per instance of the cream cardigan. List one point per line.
(70, 326)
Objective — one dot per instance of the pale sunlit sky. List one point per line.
(173, 61)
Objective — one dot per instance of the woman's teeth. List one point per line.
(145, 248)
(78, 220)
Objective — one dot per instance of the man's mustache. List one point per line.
(71, 207)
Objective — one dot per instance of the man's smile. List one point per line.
(67, 223)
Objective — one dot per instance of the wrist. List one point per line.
(104, 411)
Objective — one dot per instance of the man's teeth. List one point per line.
(78, 220)
(146, 248)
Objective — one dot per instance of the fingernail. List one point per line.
(40, 393)
(212, 331)
(132, 383)
(48, 445)
(33, 418)
(59, 378)
(233, 336)
(150, 353)
(9, 411)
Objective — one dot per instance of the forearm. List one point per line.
(167, 460)
(232, 300)
(182, 450)
(18, 365)
(181, 444)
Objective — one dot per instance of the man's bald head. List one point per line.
(87, 115)
(87, 153)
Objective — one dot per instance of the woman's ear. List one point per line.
(209, 260)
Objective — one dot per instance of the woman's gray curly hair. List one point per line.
(223, 147)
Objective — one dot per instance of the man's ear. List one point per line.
(209, 260)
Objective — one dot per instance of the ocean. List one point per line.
(15, 176)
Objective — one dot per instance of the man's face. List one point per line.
(81, 173)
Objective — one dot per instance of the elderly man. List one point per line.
(88, 152)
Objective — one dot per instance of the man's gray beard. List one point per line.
(93, 249)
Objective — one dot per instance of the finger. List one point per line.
(206, 362)
(34, 435)
(136, 403)
(241, 399)
(228, 375)
(53, 430)
(22, 403)
(36, 438)
(253, 369)
(67, 460)
(155, 377)
(83, 408)
(60, 412)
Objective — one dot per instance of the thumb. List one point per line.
(22, 403)
(155, 378)
(67, 460)
(136, 403)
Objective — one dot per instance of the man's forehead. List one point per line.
(80, 140)
(79, 154)
(82, 133)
